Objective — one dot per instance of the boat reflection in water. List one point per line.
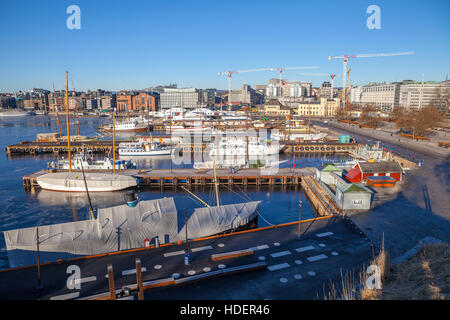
(80, 200)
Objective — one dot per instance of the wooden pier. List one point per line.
(177, 178)
(319, 199)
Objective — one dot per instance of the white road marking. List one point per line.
(276, 244)
(298, 261)
(321, 245)
(297, 276)
(278, 266)
(334, 253)
(263, 246)
(261, 258)
(158, 266)
(221, 266)
(206, 269)
(174, 253)
(283, 280)
(280, 254)
(311, 273)
(325, 234)
(131, 271)
(317, 258)
(304, 249)
(66, 296)
(221, 245)
(201, 248)
(176, 275)
(84, 280)
(191, 272)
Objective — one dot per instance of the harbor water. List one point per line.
(20, 209)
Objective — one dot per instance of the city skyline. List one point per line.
(151, 43)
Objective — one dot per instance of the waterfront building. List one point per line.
(321, 108)
(416, 95)
(362, 170)
(385, 96)
(144, 101)
(190, 98)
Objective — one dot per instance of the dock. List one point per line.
(177, 178)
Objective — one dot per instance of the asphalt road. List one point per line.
(421, 209)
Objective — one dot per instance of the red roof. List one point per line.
(353, 173)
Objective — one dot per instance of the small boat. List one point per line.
(83, 161)
(13, 113)
(95, 182)
(143, 148)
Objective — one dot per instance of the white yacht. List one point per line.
(237, 146)
(143, 148)
(82, 161)
(13, 113)
(127, 126)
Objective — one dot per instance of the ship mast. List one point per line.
(216, 184)
(114, 141)
(67, 120)
(56, 108)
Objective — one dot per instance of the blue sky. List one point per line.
(137, 44)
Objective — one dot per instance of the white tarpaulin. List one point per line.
(122, 228)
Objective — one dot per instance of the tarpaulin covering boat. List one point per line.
(122, 228)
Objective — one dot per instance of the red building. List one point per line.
(362, 170)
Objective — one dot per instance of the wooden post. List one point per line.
(112, 288)
(139, 279)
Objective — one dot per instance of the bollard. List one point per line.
(156, 242)
(187, 258)
(112, 288)
(139, 279)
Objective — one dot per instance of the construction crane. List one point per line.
(347, 57)
(230, 73)
(332, 76)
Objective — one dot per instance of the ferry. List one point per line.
(143, 148)
(236, 146)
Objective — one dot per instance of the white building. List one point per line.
(384, 96)
(184, 97)
(418, 95)
(355, 94)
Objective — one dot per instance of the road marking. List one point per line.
(66, 296)
(334, 253)
(221, 245)
(283, 280)
(278, 266)
(221, 266)
(297, 276)
(325, 234)
(191, 272)
(176, 275)
(311, 273)
(317, 258)
(84, 280)
(174, 253)
(304, 249)
(261, 258)
(280, 254)
(321, 245)
(298, 261)
(201, 248)
(263, 246)
(276, 244)
(206, 269)
(131, 271)
(158, 266)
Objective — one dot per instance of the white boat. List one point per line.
(13, 113)
(236, 146)
(293, 136)
(127, 126)
(238, 163)
(96, 182)
(82, 161)
(185, 129)
(143, 148)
